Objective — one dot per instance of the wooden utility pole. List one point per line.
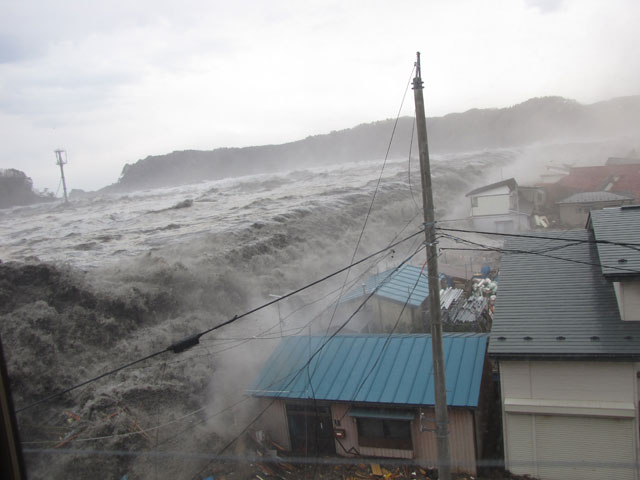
(11, 461)
(442, 417)
(61, 161)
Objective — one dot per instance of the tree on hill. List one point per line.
(17, 189)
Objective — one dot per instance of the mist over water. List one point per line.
(107, 280)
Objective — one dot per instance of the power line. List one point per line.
(634, 246)
(318, 350)
(194, 339)
(239, 341)
(386, 342)
(488, 248)
(373, 198)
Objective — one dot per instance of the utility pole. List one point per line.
(11, 460)
(62, 161)
(442, 417)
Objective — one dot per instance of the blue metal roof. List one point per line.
(395, 286)
(381, 369)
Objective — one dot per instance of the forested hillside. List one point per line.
(538, 120)
(17, 189)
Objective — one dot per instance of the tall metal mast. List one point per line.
(62, 161)
(442, 418)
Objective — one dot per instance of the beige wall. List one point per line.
(556, 380)
(274, 422)
(545, 400)
(628, 296)
(462, 437)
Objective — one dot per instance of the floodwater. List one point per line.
(100, 282)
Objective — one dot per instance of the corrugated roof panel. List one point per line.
(407, 284)
(381, 369)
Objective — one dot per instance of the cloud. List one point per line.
(121, 80)
(546, 6)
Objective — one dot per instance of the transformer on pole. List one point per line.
(62, 160)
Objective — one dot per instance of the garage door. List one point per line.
(571, 447)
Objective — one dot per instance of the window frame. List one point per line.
(395, 434)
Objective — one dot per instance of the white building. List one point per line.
(499, 208)
(566, 336)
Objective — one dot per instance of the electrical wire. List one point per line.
(194, 339)
(485, 248)
(260, 336)
(633, 246)
(387, 340)
(373, 198)
(316, 352)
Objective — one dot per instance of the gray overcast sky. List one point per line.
(114, 81)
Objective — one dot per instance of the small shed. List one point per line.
(398, 295)
(373, 395)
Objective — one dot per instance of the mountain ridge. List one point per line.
(540, 119)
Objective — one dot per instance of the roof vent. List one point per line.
(622, 260)
(628, 337)
(502, 339)
(560, 337)
(595, 338)
(527, 338)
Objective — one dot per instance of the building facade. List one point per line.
(569, 361)
(372, 396)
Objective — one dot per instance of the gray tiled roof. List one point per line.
(592, 197)
(621, 225)
(560, 306)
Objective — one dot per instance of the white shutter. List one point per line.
(519, 443)
(559, 447)
(591, 446)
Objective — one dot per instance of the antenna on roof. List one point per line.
(62, 160)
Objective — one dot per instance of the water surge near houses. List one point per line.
(106, 280)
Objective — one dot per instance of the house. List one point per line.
(603, 178)
(372, 395)
(398, 295)
(631, 159)
(574, 210)
(500, 208)
(566, 337)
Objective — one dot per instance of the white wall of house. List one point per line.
(570, 419)
(628, 296)
(491, 202)
(507, 223)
